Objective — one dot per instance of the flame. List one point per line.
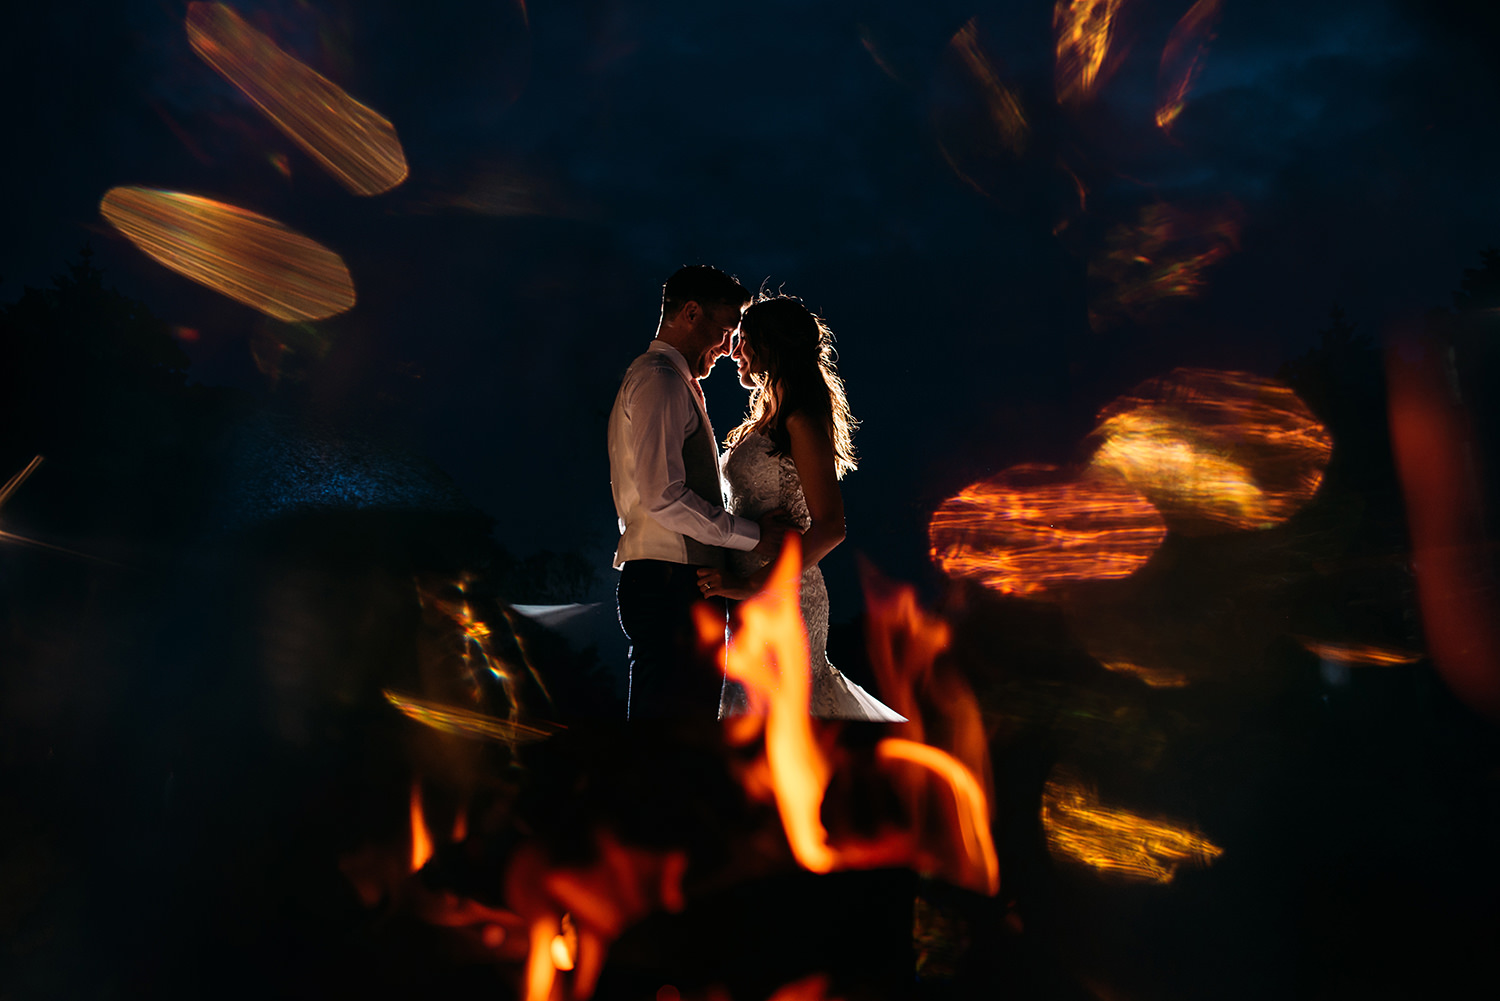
(252, 259)
(421, 838)
(352, 142)
(769, 657)
(970, 800)
(1156, 677)
(541, 971)
(1182, 60)
(1358, 653)
(564, 946)
(1004, 106)
(1115, 841)
(1215, 448)
(1085, 32)
(1166, 254)
(1031, 529)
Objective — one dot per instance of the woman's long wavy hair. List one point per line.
(793, 347)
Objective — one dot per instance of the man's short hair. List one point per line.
(703, 284)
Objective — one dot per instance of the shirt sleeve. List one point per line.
(662, 413)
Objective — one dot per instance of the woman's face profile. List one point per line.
(744, 359)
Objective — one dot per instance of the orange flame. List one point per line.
(1032, 529)
(811, 988)
(1212, 448)
(1116, 841)
(1182, 60)
(252, 259)
(1165, 255)
(970, 800)
(1004, 106)
(1085, 33)
(769, 657)
(353, 143)
(1358, 653)
(421, 837)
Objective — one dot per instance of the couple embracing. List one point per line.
(695, 526)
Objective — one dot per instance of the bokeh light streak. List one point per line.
(1085, 32)
(464, 722)
(252, 259)
(1211, 447)
(1165, 255)
(1358, 653)
(14, 483)
(1182, 60)
(1114, 841)
(1031, 529)
(352, 142)
(1003, 105)
(1155, 677)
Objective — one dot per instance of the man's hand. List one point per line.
(774, 525)
(718, 584)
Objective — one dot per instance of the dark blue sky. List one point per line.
(565, 161)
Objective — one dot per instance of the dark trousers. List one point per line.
(672, 674)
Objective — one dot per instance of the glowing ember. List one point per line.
(1213, 449)
(1358, 653)
(1115, 841)
(970, 801)
(1085, 32)
(1004, 107)
(1154, 676)
(1182, 59)
(421, 838)
(1165, 255)
(1033, 529)
(769, 657)
(247, 257)
(353, 143)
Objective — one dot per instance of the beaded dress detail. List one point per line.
(755, 481)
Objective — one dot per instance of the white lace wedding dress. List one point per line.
(757, 482)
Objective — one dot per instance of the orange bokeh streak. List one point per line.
(1116, 841)
(1182, 60)
(973, 806)
(352, 142)
(1166, 254)
(1019, 534)
(1004, 107)
(769, 657)
(1451, 553)
(1213, 447)
(1358, 653)
(1085, 33)
(421, 837)
(252, 259)
(1155, 677)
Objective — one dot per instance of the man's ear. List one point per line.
(690, 311)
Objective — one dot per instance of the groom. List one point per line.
(664, 473)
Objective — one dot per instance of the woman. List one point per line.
(790, 453)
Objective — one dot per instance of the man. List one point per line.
(664, 472)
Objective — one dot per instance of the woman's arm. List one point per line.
(812, 454)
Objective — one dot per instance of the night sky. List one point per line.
(566, 157)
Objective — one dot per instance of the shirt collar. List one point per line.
(675, 357)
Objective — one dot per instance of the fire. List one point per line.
(1212, 448)
(811, 988)
(1358, 653)
(1033, 528)
(1116, 841)
(1085, 32)
(1182, 59)
(252, 259)
(421, 837)
(970, 800)
(352, 142)
(769, 657)
(1165, 255)
(1004, 107)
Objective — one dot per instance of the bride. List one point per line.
(790, 452)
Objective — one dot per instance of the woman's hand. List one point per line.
(718, 584)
